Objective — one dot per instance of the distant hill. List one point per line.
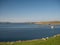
(5, 22)
(48, 22)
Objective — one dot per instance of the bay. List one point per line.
(25, 31)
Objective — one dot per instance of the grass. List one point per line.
(49, 41)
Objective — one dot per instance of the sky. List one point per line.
(29, 10)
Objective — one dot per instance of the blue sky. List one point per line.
(29, 10)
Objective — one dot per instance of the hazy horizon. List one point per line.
(29, 10)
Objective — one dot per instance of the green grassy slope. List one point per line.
(49, 41)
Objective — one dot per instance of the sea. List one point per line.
(26, 31)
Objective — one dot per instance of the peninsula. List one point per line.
(47, 22)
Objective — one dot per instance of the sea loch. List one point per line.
(25, 31)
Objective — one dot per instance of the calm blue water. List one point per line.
(13, 32)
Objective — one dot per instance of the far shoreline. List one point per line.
(48, 22)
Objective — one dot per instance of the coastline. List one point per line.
(48, 22)
(54, 40)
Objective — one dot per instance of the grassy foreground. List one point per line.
(55, 40)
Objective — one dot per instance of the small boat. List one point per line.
(52, 27)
